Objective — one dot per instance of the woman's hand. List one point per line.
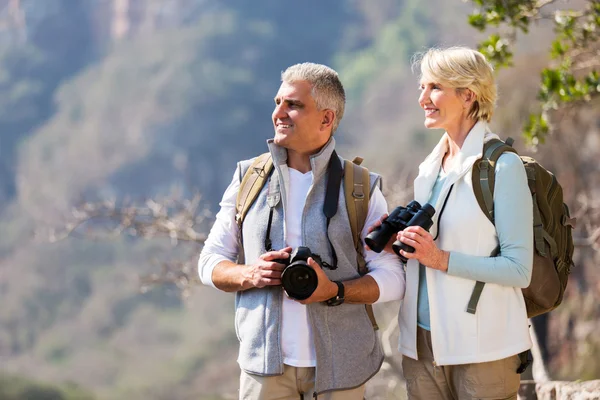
(426, 251)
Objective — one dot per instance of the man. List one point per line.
(291, 348)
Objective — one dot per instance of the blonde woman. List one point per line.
(449, 353)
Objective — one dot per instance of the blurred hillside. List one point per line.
(115, 99)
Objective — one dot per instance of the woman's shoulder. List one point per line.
(509, 164)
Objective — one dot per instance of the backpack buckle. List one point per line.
(358, 192)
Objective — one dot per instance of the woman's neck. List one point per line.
(456, 139)
(459, 134)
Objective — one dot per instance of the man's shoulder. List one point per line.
(244, 165)
(374, 177)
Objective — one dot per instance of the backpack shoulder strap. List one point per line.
(357, 198)
(252, 182)
(483, 181)
(357, 191)
(484, 174)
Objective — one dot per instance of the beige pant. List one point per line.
(488, 380)
(296, 383)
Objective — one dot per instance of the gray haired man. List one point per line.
(324, 345)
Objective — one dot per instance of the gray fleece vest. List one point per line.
(347, 347)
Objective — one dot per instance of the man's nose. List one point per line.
(279, 111)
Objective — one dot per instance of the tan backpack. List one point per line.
(356, 194)
(552, 228)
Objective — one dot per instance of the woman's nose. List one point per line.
(422, 97)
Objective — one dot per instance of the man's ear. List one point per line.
(327, 119)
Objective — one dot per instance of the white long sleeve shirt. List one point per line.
(222, 245)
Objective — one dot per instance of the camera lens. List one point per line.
(299, 280)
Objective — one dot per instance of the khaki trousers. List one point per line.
(488, 380)
(296, 383)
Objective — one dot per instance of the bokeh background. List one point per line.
(139, 99)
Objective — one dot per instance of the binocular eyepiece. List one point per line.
(399, 219)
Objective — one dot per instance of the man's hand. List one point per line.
(325, 290)
(265, 271)
(388, 247)
(426, 251)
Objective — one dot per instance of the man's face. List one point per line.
(299, 126)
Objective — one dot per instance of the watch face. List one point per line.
(336, 301)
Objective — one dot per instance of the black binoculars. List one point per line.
(399, 219)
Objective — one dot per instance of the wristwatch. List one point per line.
(339, 298)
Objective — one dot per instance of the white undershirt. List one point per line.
(222, 244)
(296, 335)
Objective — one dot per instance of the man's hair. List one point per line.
(327, 89)
(462, 68)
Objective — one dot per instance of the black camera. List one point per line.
(394, 223)
(298, 279)
(421, 218)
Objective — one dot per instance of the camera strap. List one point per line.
(332, 195)
(273, 198)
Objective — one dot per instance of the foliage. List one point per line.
(572, 77)
(19, 388)
(173, 103)
(31, 71)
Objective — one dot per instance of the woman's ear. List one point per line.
(468, 97)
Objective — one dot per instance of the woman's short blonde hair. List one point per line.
(462, 68)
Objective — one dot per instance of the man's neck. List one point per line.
(299, 161)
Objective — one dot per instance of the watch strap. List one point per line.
(339, 298)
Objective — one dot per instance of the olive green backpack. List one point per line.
(552, 228)
(356, 194)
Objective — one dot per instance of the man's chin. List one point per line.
(280, 139)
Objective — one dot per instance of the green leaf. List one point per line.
(477, 21)
(497, 51)
(536, 129)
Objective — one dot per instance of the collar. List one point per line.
(318, 161)
(470, 152)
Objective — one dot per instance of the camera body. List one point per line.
(397, 221)
(298, 279)
(422, 218)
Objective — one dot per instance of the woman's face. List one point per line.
(445, 107)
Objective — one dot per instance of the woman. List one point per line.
(449, 353)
